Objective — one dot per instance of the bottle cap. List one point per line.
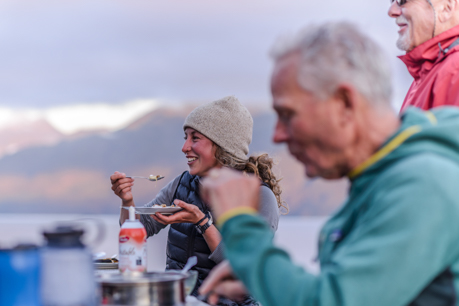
(64, 236)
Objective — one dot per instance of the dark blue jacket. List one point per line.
(183, 240)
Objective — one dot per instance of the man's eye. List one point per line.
(285, 116)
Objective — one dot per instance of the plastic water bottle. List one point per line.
(133, 246)
(67, 277)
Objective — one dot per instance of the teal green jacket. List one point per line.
(395, 241)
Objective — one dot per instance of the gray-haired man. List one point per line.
(395, 239)
(429, 33)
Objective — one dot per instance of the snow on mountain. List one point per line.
(25, 128)
(70, 174)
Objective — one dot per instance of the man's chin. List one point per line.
(328, 175)
(310, 173)
(404, 44)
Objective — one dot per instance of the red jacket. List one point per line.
(436, 77)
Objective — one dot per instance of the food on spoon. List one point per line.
(163, 205)
(154, 177)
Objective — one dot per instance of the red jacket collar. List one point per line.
(421, 59)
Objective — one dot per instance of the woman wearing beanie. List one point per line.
(217, 135)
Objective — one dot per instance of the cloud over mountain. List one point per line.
(72, 175)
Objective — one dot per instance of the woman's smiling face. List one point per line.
(200, 152)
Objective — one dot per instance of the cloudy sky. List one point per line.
(64, 53)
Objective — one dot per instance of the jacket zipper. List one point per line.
(191, 242)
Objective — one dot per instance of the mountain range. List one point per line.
(44, 171)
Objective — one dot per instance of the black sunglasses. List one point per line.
(399, 2)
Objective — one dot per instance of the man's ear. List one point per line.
(446, 10)
(345, 97)
(345, 94)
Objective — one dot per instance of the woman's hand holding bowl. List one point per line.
(189, 214)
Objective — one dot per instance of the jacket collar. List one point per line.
(421, 59)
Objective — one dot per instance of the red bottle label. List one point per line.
(133, 251)
(124, 239)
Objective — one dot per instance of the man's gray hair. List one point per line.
(335, 53)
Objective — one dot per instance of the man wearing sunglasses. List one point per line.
(429, 33)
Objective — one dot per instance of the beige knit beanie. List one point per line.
(226, 122)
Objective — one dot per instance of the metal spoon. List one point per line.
(190, 263)
(152, 178)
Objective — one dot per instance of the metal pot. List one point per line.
(148, 289)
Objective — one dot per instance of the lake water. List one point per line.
(297, 235)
